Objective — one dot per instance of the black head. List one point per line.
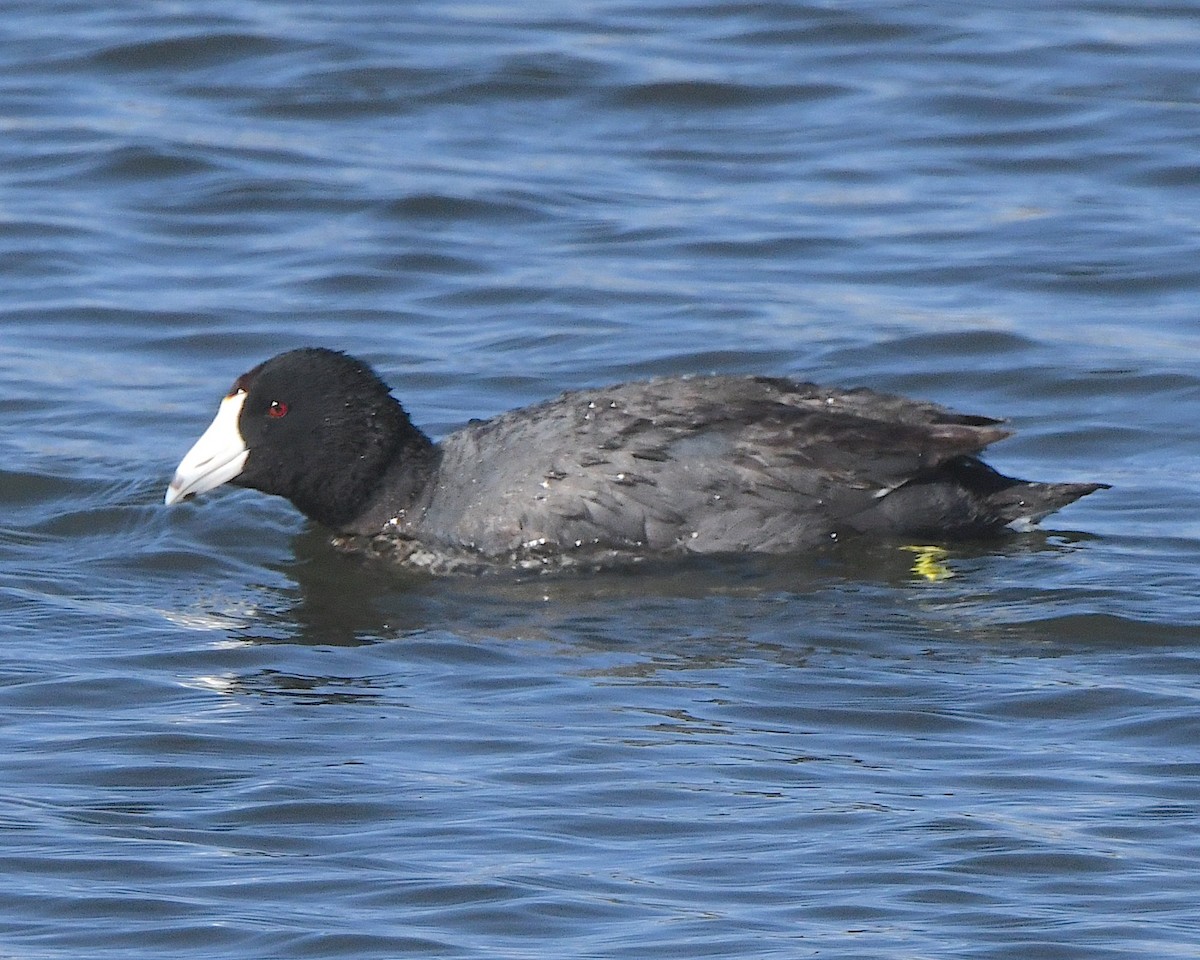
(312, 425)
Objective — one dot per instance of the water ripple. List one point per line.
(220, 738)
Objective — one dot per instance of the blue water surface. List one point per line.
(221, 738)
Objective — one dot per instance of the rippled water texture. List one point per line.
(219, 738)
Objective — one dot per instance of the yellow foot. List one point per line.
(930, 562)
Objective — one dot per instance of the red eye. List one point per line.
(277, 409)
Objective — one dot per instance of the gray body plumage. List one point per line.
(712, 464)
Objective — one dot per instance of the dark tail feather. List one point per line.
(963, 498)
(1012, 501)
(1026, 502)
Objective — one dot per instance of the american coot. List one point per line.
(701, 464)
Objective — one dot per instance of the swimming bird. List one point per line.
(677, 465)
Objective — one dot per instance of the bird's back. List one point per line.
(705, 464)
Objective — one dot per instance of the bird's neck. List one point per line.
(401, 489)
